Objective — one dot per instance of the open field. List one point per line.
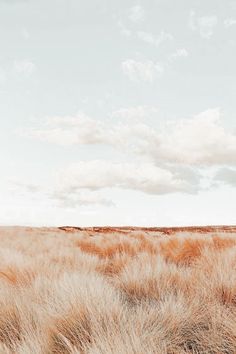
(117, 290)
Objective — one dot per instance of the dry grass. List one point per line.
(117, 292)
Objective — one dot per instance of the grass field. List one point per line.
(117, 291)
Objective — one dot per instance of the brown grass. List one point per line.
(110, 291)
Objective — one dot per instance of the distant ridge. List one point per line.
(125, 229)
(164, 230)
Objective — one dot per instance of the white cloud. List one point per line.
(137, 113)
(82, 130)
(200, 140)
(25, 34)
(2, 76)
(204, 25)
(64, 194)
(26, 67)
(14, 1)
(151, 39)
(192, 20)
(70, 130)
(136, 13)
(145, 177)
(141, 70)
(228, 22)
(168, 159)
(181, 52)
(72, 196)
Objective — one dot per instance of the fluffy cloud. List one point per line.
(145, 177)
(170, 158)
(204, 25)
(141, 70)
(200, 140)
(151, 39)
(136, 13)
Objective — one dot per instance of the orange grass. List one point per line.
(107, 251)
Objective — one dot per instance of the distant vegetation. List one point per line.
(128, 291)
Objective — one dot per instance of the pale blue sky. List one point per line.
(117, 112)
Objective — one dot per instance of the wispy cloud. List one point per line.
(71, 196)
(25, 67)
(136, 113)
(9, 2)
(80, 129)
(179, 53)
(204, 25)
(192, 20)
(25, 34)
(207, 25)
(155, 40)
(227, 176)
(136, 13)
(62, 191)
(125, 31)
(229, 22)
(2, 75)
(142, 70)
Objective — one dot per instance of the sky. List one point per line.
(117, 112)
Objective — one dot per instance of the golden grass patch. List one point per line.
(95, 291)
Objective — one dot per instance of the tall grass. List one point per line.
(88, 292)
